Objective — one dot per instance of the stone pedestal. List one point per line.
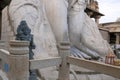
(18, 67)
(64, 50)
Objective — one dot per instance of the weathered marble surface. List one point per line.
(32, 11)
(84, 33)
(56, 11)
(47, 19)
(67, 18)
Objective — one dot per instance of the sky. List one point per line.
(111, 10)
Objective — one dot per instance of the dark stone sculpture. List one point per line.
(24, 34)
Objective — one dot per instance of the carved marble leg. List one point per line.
(56, 11)
(84, 30)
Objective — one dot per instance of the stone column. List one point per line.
(18, 61)
(97, 19)
(117, 38)
(64, 50)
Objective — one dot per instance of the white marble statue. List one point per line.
(56, 11)
(84, 33)
(32, 11)
(64, 19)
